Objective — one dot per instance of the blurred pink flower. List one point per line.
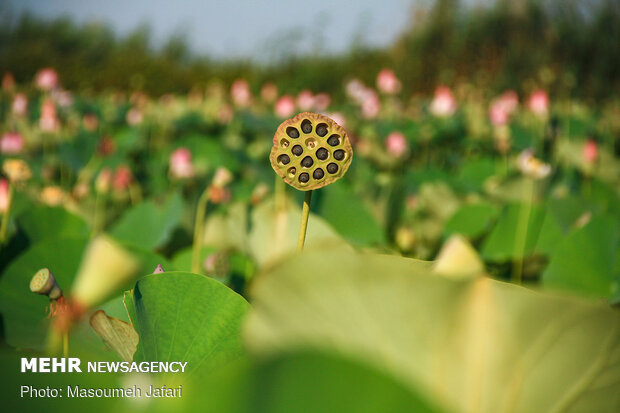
(338, 118)
(11, 143)
(322, 101)
(510, 100)
(498, 114)
(181, 165)
(539, 102)
(226, 113)
(8, 81)
(443, 104)
(356, 90)
(46, 79)
(218, 194)
(370, 105)
(387, 82)
(396, 144)
(590, 151)
(20, 104)
(269, 92)
(90, 122)
(240, 93)
(285, 106)
(48, 121)
(305, 100)
(62, 97)
(122, 178)
(134, 117)
(5, 195)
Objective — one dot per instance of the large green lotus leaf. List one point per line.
(301, 382)
(474, 173)
(584, 261)
(41, 223)
(344, 211)
(472, 220)
(148, 225)
(502, 244)
(475, 345)
(186, 317)
(23, 312)
(560, 217)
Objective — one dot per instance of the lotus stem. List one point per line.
(199, 222)
(5, 217)
(305, 213)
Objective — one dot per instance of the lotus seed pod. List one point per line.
(44, 283)
(310, 151)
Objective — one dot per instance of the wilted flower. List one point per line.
(20, 104)
(134, 116)
(219, 194)
(305, 100)
(269, 92)
(590, 151)
(443, 104)
(531, 166)
(8, 81)
(539, 103)
(322, 101)
(46, 79)
(387, 82)
(285, 106)
(80, 190)
(11, 143)
(122, 178)
(181, 165)
(48, 121)
(5, 195)
(106, 146)
(104, 181)
(16, 170)
(52, 196)
(396, 144)
(240, 93)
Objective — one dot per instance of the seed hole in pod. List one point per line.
(321, 129)
(334, 140)
(306, 126)
(311, 143)
(297, 150)
(307, 162)
(322, 154)
(284, 143)
(304, 177)
(292, 132)
(318, 173)
(292, 171)
(284, 159)
(339, 155)
(332, 168)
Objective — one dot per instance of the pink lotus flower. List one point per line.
(510, 101)
(498, 114)
(387, 82)
(181, 165)
(356, 90)
(269, 92)
(443, 104)
(134, 117)
(8, 81)
(46, 79)
(370, 105)
(338, 118)
(20, 104)
(122, 178)
(590, 151)
(48, 121)
(539, 103)
(240, 93)
(322, 101)
(285, 107)
(305, 100)
(11, 143)
(396, 144)
(5, 195)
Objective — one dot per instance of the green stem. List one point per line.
(522, 229)
(5, 217)
(199, 224)
(305, 212)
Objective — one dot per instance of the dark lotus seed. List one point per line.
(284, 159)
(297, 150)
(304, 177)
(292, 132)
(321, 130)
(333, 140)
(332, 168)
(307, 162)
(339, 155)
(306, 126)
(322, 153)
(318, 173)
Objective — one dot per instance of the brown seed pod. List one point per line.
(310, 151)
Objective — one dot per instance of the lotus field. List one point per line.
(452, 252)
